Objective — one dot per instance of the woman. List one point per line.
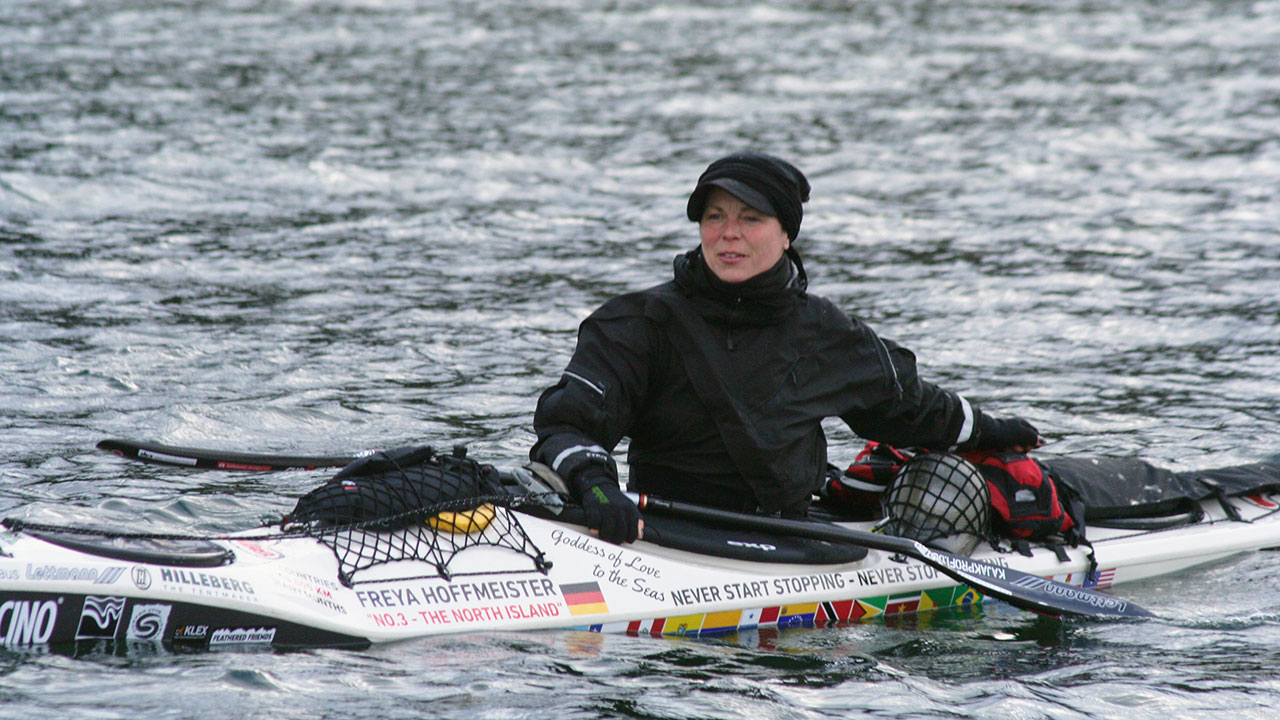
(722, 376)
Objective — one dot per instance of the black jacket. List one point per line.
(722, 390)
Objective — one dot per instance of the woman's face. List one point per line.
(738, 241)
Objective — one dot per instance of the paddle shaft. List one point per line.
(1022, 590)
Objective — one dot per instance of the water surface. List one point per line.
(319, 227)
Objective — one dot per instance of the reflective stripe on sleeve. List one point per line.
(592, 449)
(599, 390)
(966, 428)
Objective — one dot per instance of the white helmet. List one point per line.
(941, 500)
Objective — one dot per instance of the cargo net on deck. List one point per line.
(413, 504)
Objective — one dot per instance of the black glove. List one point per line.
(996, 434)
(607, 509)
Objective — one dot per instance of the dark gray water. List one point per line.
(321, 227)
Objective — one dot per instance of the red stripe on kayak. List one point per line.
(582, 593)
(584, 598)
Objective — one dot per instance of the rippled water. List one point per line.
(327, 226)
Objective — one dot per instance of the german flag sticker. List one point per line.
(584, 598)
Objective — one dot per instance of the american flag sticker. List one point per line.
(584, 598)
(1101, 579)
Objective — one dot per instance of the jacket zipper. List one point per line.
(737, 308)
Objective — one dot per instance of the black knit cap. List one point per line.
(772, 186)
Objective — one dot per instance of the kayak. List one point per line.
(524, 568)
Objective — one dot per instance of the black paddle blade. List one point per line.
(1030, 592)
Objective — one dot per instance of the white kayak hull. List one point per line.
(285, 592)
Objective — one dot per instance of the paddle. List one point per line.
(217, 459)
(1022, 590)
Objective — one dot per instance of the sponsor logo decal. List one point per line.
(191, 632)
(27, 622)
(201, 583)
(141, 577)
(242, 636)
(972, 568)
(1048, 587)
(321, 591)
(55, 573)
(148, 622)
(759, 546)
(224, 465)
(257, 548)
(166, 458)
(100, 617)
